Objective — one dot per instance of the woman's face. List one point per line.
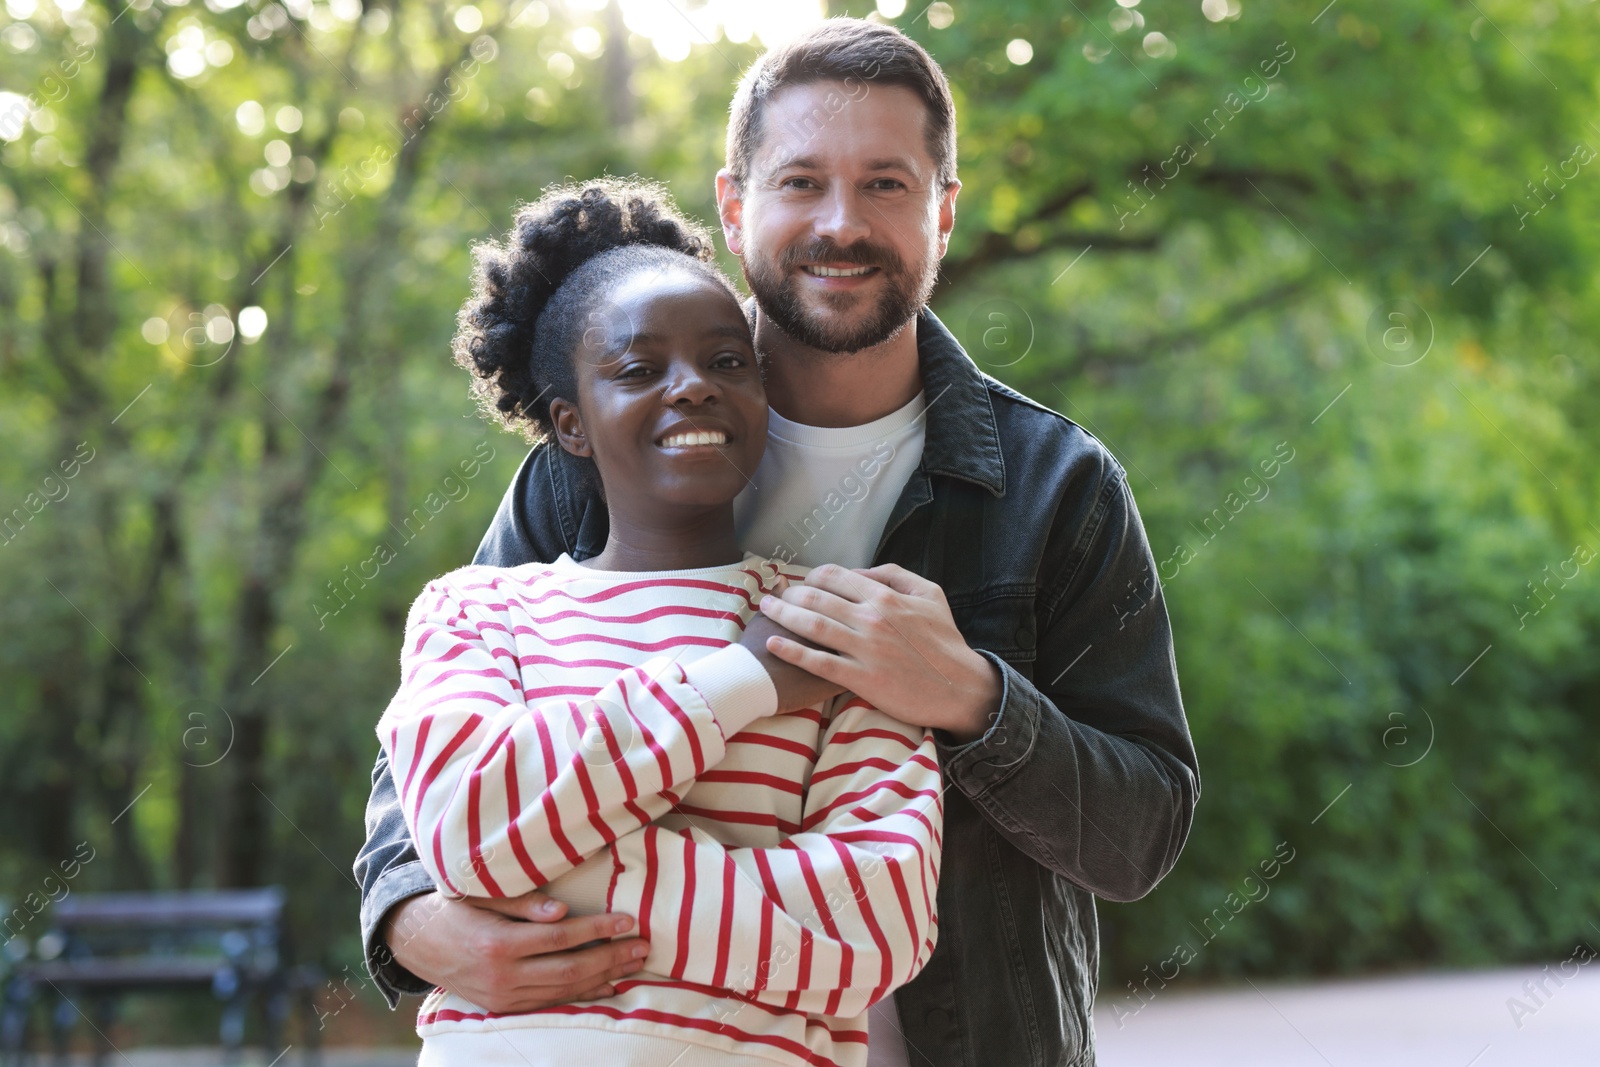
(670, 404)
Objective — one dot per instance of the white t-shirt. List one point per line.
(823, 494)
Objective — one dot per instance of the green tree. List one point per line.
(235, 236)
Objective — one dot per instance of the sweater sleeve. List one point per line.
(831, 920)
(503, 791)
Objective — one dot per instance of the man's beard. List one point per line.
(777, 293)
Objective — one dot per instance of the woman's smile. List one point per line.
(695, 437)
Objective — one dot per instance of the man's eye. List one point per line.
(799, 183)
(729, 359)
(888, 183)
(635, 370)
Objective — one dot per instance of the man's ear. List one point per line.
(947, 216)
(569, 428)
(730, 209)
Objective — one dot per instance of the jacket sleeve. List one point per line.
(504, 790)
(388, 872)
(830, 921)
(527, 528)
(1089, 767)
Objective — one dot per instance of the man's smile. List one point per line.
(841, 277)
(819, 270)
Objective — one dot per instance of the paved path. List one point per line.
(1428, 1020)
(211, 1057)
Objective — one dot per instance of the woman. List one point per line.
(598, 730)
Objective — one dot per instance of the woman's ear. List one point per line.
(569, 428)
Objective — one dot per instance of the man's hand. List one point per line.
(797, 687)
(512, 955)
(887, 635)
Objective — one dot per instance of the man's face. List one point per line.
(842, 222)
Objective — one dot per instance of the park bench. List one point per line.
(101, 947)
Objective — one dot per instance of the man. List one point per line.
(1012, 606)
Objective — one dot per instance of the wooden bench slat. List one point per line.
(137, 971)
(223, 907)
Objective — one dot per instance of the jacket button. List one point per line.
(938, 1017)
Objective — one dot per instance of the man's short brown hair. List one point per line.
(860, 54)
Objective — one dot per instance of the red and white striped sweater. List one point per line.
(601, 735)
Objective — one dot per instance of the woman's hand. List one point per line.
(512, 955)
(797, 688)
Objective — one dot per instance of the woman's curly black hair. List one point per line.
(532, 292)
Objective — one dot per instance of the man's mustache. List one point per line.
(857, 254)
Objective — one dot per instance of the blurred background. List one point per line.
(1322, 277)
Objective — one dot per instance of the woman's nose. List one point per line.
(690, 385)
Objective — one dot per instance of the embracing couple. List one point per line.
(791, 711)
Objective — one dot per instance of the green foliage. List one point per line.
(1190, 246)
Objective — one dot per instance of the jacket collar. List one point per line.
(963, 439)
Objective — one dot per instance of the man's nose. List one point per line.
(842, 216)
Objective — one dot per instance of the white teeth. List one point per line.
(699, 437)
(835, 272)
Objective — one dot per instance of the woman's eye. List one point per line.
(635, 370)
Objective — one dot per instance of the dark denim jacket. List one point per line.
(1084, 786)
